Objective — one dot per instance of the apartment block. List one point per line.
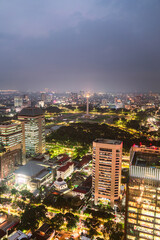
(106, 170)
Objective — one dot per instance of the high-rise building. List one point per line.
(33, 126)
(106, 170)
(43, 97)
(18, 101)
(11, 133)
(12, 152)
(143, 194)
(74, 97)
(49, 98)
(9, 159)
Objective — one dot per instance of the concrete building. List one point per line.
(106, 170)
(11, 133)
(33, 174)
(12, 152)
(33, 129)
(65, 171)
(18, 101)
(60, 184)
(9, 159)
(143, 195)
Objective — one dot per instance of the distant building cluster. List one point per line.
(21, 139)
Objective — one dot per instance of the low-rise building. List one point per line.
(17, 235)
(84, 189)
(79, 192)
(45, 232)
(65, 171)
(33, 174)
(60, 184)
(62, 159)
(84, 162)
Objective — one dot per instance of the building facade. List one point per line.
(65, 171)
(12, 152)
(33, 128)
(106, 170)
(11, 133)
(18, 101)
(8, 161)
(143, 195)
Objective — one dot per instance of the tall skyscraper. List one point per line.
(11, 147)
(106, 170)
(143, 195)
(18, 101)
(33, 126)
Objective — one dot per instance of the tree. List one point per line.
(32, 216)
(52, 109)
(3, 189)
(108, 226)
(26, 194)
(57, 221)
(135, 124)
(71, 220)
(93, 232)
(14, 192)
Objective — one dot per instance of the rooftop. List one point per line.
(65, 167)
(42, 174)
(108, 141)
(31, 112)
(146, 160)
(64, 158)
(32, 168)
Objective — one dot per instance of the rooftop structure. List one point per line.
(33, 174)
(85, 160)
(143, 194)
(31, 112)
(60, 184)
(108, 141)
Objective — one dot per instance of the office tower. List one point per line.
(9, 159)
(11, 147)
(18, 101)
(43, 97)
(11, 133)
(74, 97)
(143, 194)
(33, 126)
(49, 98)
(104, 102)
(106, 170)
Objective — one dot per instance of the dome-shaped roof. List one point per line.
(59, 180)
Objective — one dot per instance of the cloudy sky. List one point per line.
(71, 45)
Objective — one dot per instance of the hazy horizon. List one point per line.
(94, 45)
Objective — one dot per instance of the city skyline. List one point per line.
(109, 46)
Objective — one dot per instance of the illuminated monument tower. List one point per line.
(87, 111)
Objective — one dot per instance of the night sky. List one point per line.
(71, 45)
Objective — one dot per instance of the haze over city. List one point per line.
(96, 45)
